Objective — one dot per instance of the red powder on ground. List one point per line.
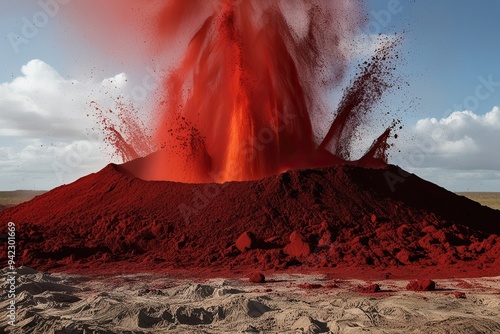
(372, 288)
(112, 222)
(239, 106)
(257, 278)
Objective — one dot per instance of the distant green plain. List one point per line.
(487, 199)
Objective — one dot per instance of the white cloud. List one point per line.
(471, 140)
(47, 123)
(41, 103)
(461, 149)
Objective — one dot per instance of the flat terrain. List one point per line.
(491, 199)
(147, 304)
(12, 198)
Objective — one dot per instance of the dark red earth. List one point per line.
(344, 220)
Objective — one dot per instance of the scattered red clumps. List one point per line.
(466, 285)
(372, 288)
(343, 217)
(403, 256)
(111, 222)
(246, 241)
(257, 278)
(421, 285)
(298, 246)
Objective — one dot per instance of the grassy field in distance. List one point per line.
(487, 199)
(11, 198)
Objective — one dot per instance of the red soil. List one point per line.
(353, 224)
(421, 285)
(372, 288)
(257, 278)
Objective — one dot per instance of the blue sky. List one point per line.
(451, 60)
(451, 44)
(44, 46)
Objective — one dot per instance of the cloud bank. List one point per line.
(49, 136)
(461, 151)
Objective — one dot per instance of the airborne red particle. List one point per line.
(251, 76)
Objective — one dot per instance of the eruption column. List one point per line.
(242, 100)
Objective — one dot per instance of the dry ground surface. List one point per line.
(491, 199)
(12, 198)
(287, 303)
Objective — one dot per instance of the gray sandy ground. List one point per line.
(60, 303)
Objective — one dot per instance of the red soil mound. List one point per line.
(343, 217)
(421, 285)
(257, 278)
(372, 288)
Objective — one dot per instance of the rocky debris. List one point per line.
(298, 246)
(310, 286)
(251, 329)
(257, 278)
(421, 285)
(315, 218)
(246, 241)
(326, 235)
(403, 256)
(150, 292)
(372, 288)
(181, 242)
(133, 304)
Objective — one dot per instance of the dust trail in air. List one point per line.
(251, 76)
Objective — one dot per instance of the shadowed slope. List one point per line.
(348, 215)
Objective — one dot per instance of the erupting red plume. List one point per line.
(238, 106)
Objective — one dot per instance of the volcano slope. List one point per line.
(347, 219)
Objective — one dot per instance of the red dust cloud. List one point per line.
(240, 102)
